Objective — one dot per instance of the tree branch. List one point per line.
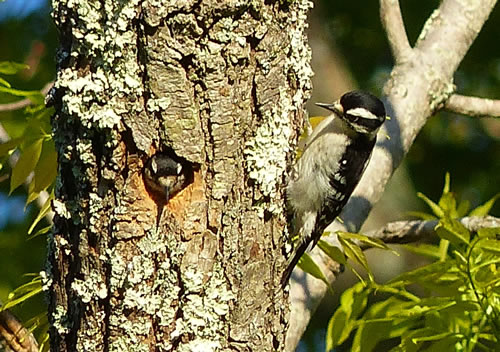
(14, 335)
(416, 89)
(418, 230)
(392, 20)
(24, 102)
(473, 106)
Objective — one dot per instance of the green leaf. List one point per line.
(42, 231)
(423, 249)
(11, 68)
(438, 303)
(407, 343)
(446, 285)
(338, 330)
(22, 93)
(372, 331)
(445, 344)
(421, 215)
(44, 342)
(26, 164)
(43, 211)
(484, 209)
(46, 169)
(370, 334)
(432, 337)
(380, 309)
(434, 207)
(12, 144)
(354, 299)
(38, 321)
(333, 252)
(485, 279)
(489, 337)
(352, 303)
(428, 272)
(448, 204)
(354, 252)
(459, 257)
(32, 195)
(446, 188)
(453, 231)
(4, 82)
(373, 242)
(490, 245)
(463, 208)
(414, 311)
(422, 309)
(23, 292)
(488, 232)
(307, 264)
(443, 249)
(490, 264)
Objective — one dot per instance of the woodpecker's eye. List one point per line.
(352, 118)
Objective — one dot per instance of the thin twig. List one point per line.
(473, 106)
(24, 102)
(418, 230)
(392, 20)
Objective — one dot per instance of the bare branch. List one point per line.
(442, 30)
(14, 335)
(473, 106)
(392, 20)
(15, 106)
(24, 102)
(418, 230)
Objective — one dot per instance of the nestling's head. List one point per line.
(362, 111)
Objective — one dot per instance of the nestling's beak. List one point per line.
(167, 193)
(335, 107)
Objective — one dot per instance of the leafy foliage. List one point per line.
(32, 153)
(461, 310)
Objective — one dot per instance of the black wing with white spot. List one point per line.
(344, 181)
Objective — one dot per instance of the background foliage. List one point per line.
(26, 36)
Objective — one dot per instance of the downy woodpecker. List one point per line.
(334, 158)
(165, 175)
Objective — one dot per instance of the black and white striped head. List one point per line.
(362, 111)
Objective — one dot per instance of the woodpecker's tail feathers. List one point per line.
(297, 254)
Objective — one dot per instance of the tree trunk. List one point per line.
(221, 84)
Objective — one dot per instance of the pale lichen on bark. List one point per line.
(205, 80)
(98, 87)
(267, 153)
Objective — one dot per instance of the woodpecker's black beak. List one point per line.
(335, 107)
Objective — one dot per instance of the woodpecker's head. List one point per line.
(362, 111)
(165, 176)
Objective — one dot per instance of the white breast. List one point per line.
(310, 184)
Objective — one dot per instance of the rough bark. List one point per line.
(220, 83)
